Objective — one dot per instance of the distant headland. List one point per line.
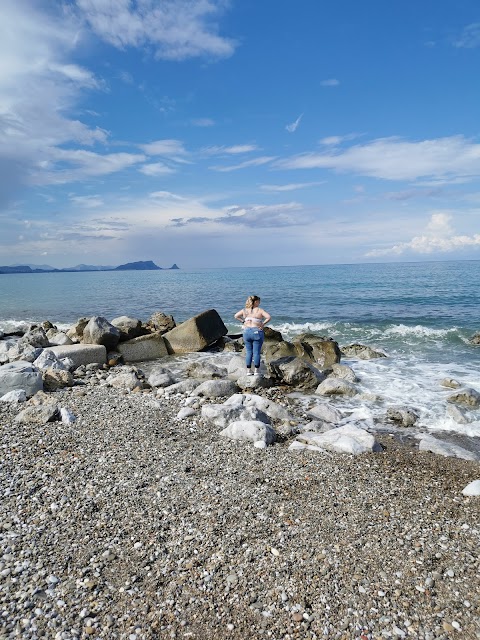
(145, 265)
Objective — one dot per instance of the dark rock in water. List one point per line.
(404, 416)
(174, 266)
(475, 339)
(362, 352)
(323, 352)
(146, 265)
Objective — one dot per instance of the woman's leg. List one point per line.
(257, 347)
(247, 339)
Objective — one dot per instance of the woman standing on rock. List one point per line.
(254, 319)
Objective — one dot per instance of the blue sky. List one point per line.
(239, 132)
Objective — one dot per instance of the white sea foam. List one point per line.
(418, 331)
(10, 326)
(290, 329)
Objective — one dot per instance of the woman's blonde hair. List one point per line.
(251, 301)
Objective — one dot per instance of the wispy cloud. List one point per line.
(294, 186)
(167, 148)
(470, 37)
(331, 82)
(291, 128)
(156, 169)
(397, 159)
(176, 30)
(333, 141)
(255, 216)
(439, 237)
(255, 162)
(88, 202)
(229, 150)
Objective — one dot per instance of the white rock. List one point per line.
(18, 395)
(20, 375)
(472, 489)
(429, 443)
(125, 380)
(325, 412)
(272, 409)
(67, 416)
(49, 360)
(299, 446)
(336, 386)
(457, 413)
(215, 389)
(346, 439)
(186, 412)
(161, 377)
(249, 430)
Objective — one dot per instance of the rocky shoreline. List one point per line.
(186, 500)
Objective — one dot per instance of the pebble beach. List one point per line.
(132, 523)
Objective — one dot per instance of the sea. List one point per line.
(421, 315)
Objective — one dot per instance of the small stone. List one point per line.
(447, 627)
(297, 616)
(275, 552)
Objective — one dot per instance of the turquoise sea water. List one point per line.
(420, 314)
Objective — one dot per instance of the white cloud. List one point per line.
(89, 202)
(397, 159)
(176, 29)
(156, 169)
(231, 150)
(289, 187)
(255, 162)
(291, 128)
(164, 148)
(336, 140)
(470, 37)
(331, 82)
(439, 237)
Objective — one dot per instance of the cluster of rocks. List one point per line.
(95, 351)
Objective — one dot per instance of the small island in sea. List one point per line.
(145, 265)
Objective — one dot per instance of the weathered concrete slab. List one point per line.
(81, 353)
(148, 347)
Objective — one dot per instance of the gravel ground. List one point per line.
(132, 524)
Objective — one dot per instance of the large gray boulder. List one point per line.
(184, 387)
(250, 431)
(39, 414)
(81, 353)
(54, 379)
(275, 350)
(20, 375)
(129, 327)
(343, 372)
(346, 439)
(458, 414)
(49, 360)
(442, 448)
(336, 386)
(58, 337)
(362, 352)
(325, 413)
(36, 337)
(100, 331)
(222, 414)
(466, 397)
(295, 372)
(215, 389)
(324, 352)
(161, 377)
(196, 334)
(203, 369)
(149, 347)
(272, 409)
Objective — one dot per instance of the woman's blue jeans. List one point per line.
(253, 339)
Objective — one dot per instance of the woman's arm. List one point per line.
(267, 317)
(239, 315)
